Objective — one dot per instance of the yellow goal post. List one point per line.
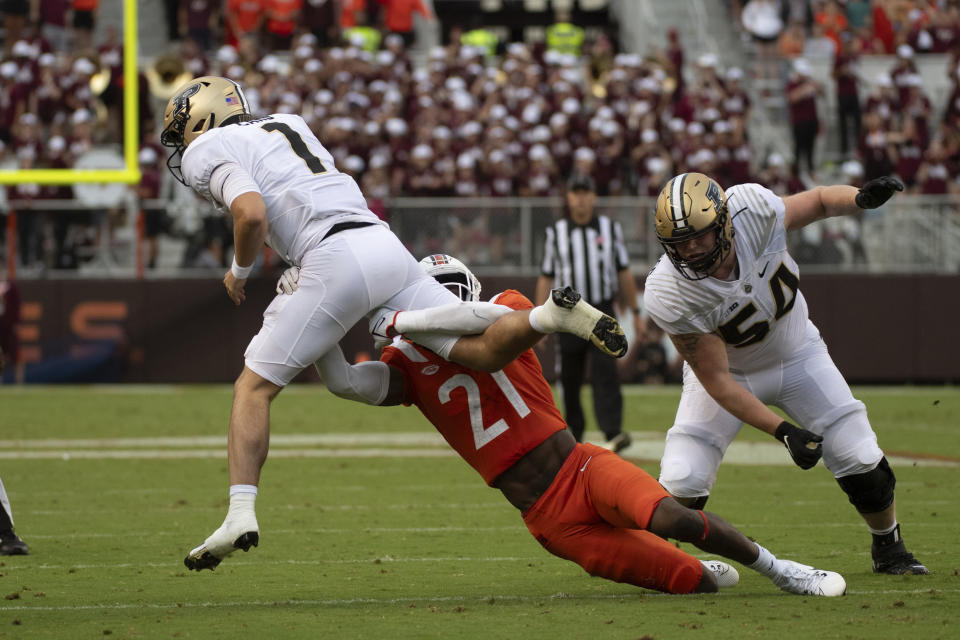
(130, 174)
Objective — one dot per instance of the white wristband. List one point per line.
(241, 273)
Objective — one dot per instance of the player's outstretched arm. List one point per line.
(837, 200)
(707, 356)
(514, 333)
(498, 346)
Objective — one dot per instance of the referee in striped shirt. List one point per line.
(586, 251)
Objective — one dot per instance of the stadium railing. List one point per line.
(504, 236)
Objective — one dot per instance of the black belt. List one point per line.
(343, 226)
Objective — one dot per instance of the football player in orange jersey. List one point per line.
(580, 501)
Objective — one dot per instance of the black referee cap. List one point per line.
(581, 182)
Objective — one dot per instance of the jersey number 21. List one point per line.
(483, 435)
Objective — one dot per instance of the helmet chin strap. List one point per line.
(174, 162)
(722, 253)
(704, 266)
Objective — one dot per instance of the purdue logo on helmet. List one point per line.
(689, 206)
(200, 105)
(452, 274)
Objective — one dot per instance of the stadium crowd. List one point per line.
(886, 123)
(507, 119)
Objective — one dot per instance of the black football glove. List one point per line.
(804, 446)
(877, 191)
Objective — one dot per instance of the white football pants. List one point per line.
(809, 389)
(346, 277)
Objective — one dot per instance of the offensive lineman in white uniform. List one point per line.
(282, 188)
(727, 293)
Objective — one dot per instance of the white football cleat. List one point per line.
(236, 532)
(565, 310)
(725, 574)
(807, 581)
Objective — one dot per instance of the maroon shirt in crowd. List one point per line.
(802, 110)
(909, 157)
(875, 153)
(843, 71)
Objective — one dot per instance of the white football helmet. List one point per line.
(200, 105)
(454, 275)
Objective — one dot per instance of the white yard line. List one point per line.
(160, 454)
(363, 530)
(647, 445)
(491, 599)
(308, 388)
(252, 563)
(275, 532)
(499, 504)
(17, 563)
(426, 438)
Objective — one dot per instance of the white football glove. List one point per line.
(238, 531)
(377, 325)
(289, 281)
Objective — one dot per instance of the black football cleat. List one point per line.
(898, 561)
(13, 546)
(894, 558)
(200, 559)
(618, 442)
(205, 561)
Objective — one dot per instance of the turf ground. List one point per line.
(370, 528)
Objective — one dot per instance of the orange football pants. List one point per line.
(595, 514)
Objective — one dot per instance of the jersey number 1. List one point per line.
(297, 144)
(482, 435)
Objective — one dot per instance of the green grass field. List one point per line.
(371, 529)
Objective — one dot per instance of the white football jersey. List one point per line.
(762, 316)
(304, 193)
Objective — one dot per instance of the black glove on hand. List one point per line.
(804, 446)
(877, 191)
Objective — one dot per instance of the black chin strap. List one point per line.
(174, 163)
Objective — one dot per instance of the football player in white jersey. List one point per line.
(282, 189)
(727, 293)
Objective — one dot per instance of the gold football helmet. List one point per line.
(198, 106)
(689, 206)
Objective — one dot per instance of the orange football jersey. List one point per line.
(491, 419)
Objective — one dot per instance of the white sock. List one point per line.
(882, 532)
(243, 488)
(242, 505)
(535, 320)
(766, 563)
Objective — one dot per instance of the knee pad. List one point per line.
(677, 477)
(870, 492)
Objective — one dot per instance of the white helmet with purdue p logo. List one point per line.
(692, 205)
